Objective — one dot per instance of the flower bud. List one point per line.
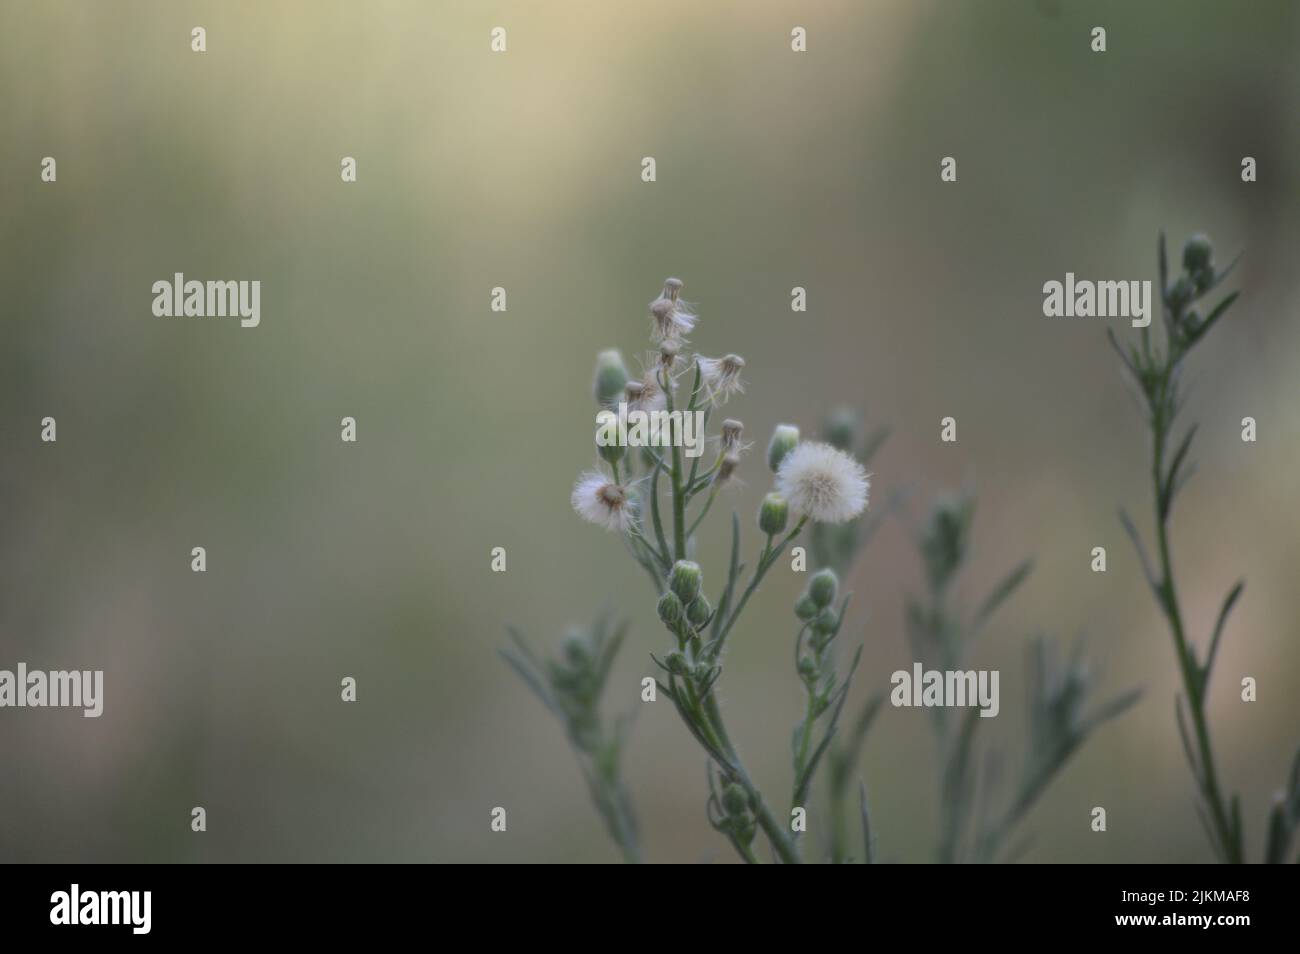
(841, 428)
(784, 439)
(822, 587)
(805, 608)
(744, 830)
(773, 514)
(611, 377)
(1197, 254)
(946, 537)
(699, 611)
(611, 451)
(677, 664)
(1180, 293)
(670, 609)
(807, 667)
(825, 622)
(735, 801)
(685, 581)
(575, 651)
(672, 288)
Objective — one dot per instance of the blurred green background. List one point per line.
(522, 170)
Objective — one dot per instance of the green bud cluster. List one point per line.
(946, 537)
(683, 602)
(610, 379)
(737, 820)
(841, 429)
(670, 609)
(773, 514)
(784, 439)
(686, 580)
(1198, 256)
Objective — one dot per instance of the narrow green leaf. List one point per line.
(1110, 710)
(1130, 362)
(1219, 277)
(1212, 318)
(518, 639)
(530, 680)
(1171, 477)
(1187, 741)
(733, 574)
(1000, 593)
(801, 789)
(1142, 555)
(654, 515)
(1228, 603)
(875, 440)
(1278, 836)
(1209, 832)
(868, 836)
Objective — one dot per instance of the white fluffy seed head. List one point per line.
(599, 500)
(825, 484)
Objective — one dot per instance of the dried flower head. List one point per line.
(599, 500)
(731, 432)
(822, 483)
(645, 394)
(669, 349)
(720, 377)
(670, 319)
(727, 468)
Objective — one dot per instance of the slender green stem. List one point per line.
(703, 513)
(776, 833)
(805, 739)
(679, 497)
(709, 728)
(1229, 843)
(704, 719)
(766, 560)
(695, 485)
(746, 852)
(695, 393)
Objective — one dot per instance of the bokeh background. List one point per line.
(523, 170)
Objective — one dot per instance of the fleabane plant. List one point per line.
(1157, 375)
(654, 487)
